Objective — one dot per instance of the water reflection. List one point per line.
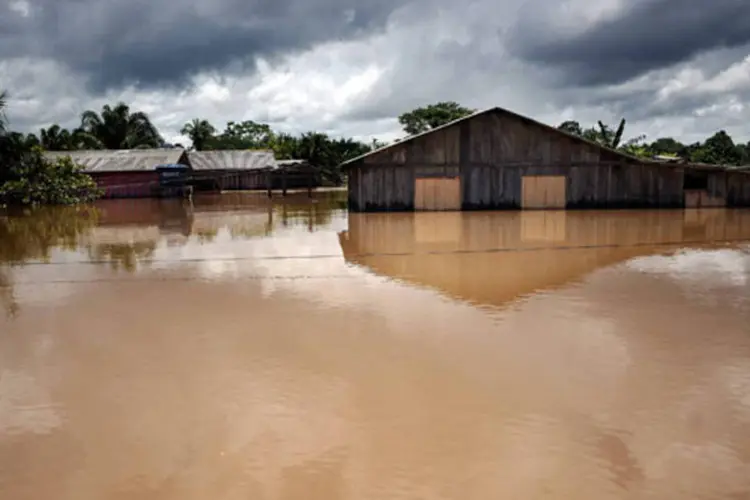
(124, 234)
(495, 257)
(246, 357)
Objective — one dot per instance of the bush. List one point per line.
(29, 179)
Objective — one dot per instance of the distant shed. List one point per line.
(232, 169)
(707, 185)
(497, 159)
(296, 174)
(124, 173)
(229, 170)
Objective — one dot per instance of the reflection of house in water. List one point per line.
(122, 221)
(495, 257)
(242, 215)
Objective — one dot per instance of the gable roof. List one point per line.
(498, 109)
(233, 159)
(119, 160)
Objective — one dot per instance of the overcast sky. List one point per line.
(678, 68)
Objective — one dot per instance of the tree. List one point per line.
(667, 146)
(56, 138)
(718, 149)
(3, 104)
(31, 179)
(28, 178)
(571, 127)
(285, 146)
(609, 137)
(118, 128)
(243, 135)
(425, 118)
(200, 132)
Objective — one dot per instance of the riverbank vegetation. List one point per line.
(28, 178)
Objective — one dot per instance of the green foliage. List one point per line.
(30, 179)
(571, 127)
(319, 149)
(428, 117)
(27, 178)
(119, 128)
(200, 133)
(56, 138)
(243, 135)
(718, 149)
(3, 104)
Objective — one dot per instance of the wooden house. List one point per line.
(497, 159)
(125, 173)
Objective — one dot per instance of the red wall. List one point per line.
(127, 184)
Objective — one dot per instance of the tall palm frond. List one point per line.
(117, 128)
(3, 104)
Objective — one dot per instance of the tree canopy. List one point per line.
(119, 128)
(428, 117)
(28, 178)
(718, 149)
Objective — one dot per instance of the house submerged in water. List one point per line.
(146, 173)
(497, 159)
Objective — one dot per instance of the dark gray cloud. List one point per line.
(152, 43)
(647, 35)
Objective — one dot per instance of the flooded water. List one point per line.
(238, 348)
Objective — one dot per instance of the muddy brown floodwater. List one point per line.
(241, 349)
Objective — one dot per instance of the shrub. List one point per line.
(29, 179)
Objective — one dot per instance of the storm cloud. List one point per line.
(350, 67)
(161, 42)
(644, 35)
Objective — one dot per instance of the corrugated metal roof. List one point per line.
(685, 163)
(232, 159)
(120, 160)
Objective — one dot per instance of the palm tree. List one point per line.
(118, 128)
(56, 138)
(199, 131)
(611, 138)
(3, 104)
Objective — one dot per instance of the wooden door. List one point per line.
(543, 191)
(437, 193)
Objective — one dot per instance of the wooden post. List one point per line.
(268, 182)
(283, 181)
(310, 175)
(269, 222)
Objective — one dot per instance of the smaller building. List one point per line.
(708, 185)
(142, 173)
(238, 169)
(296, 174)
(125, 173)
(241, 169)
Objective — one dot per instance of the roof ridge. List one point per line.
(501, 110)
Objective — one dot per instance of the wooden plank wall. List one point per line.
(382, 188)
(738, 189)
(239, 180)
(493, 151)
(543, 191)
(141, 184)
(437, 193)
